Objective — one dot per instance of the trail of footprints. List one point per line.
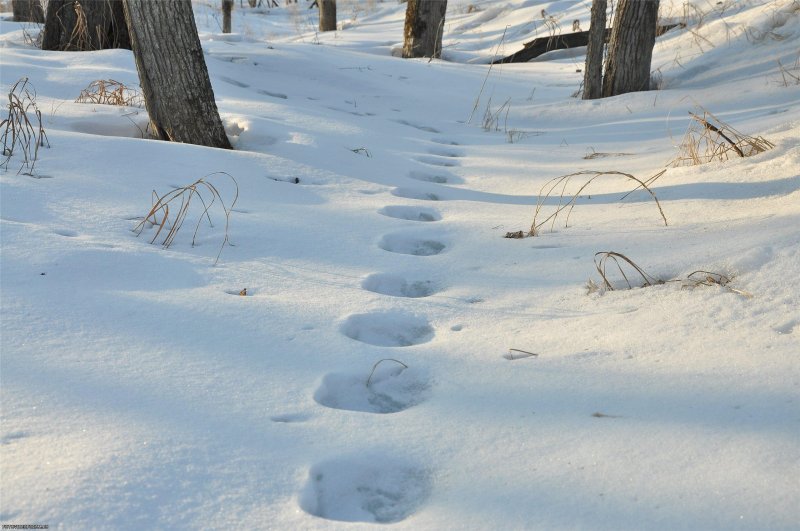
(384, 488)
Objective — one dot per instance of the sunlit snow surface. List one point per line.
(141, 391)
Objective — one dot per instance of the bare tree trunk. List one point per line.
(631, 48)
(82, 25)
(327, 15)
(27, 11)
(173, 74)
(424, 26)
(593, 71)
(227, 7)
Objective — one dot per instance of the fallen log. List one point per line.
(542, 45)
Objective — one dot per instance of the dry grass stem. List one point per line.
(80, 37)
(559, 186)
(629, 271)
(600, 155)
(205, 192)
(372, 372)
(708, 139)
(709, 278)
(601, 262)
(19, 133)
(110, 92)
(486, 78)
(791, 74)
(517, 354)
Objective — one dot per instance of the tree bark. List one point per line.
(631, 48)
(327, 15)
(83, 25)
(227, 7)
(593, 71)
(424, 26)
(173, 73)
(27, 11)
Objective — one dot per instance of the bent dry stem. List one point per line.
(205, 192)
(550, 188)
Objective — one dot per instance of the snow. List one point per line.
(365, 378)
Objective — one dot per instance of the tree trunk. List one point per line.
(227, 7)
(82, 25)
(327, 15)
(631, 48)
(424, 26)
(27, 11)
(173, 74)
(593, 71)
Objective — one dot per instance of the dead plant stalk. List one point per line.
(18, 131)
(205, 192)
(563, 181)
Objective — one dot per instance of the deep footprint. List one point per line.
(397, 286)
(374, 488)
(411, 213)
(390, 388)
(234, 82)
(445, 142)
(433, 160)
(412, 193)
(388, 329)
(437, 178)
(405, 244)
(425, 128)
(445, 152)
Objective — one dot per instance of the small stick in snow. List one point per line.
(522, 354)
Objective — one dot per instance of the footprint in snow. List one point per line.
(12, 437)
(413, 193)
(234, 82)
(411, 213)
(445, 142)
(273, 94)
(397, 286)
(445, 152)
(787, 327)
(425, 128)
(289, 418)
(434, 177)
(388, 329)
(67, 233)
(373, 487)
(403, 243)
(436, 160)
(390, 388)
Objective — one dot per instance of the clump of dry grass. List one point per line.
(110, 92)
(709, 278)
(552, 187)
(32, 34)
(80, 37)
(205, 192)
(607, 262)
(622, 263)
(22, 129)
(790, 75)
(708, 139)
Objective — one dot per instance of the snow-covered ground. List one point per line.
(140, 390)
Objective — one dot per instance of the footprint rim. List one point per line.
(389, 329)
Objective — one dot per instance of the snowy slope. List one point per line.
(140, 390)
